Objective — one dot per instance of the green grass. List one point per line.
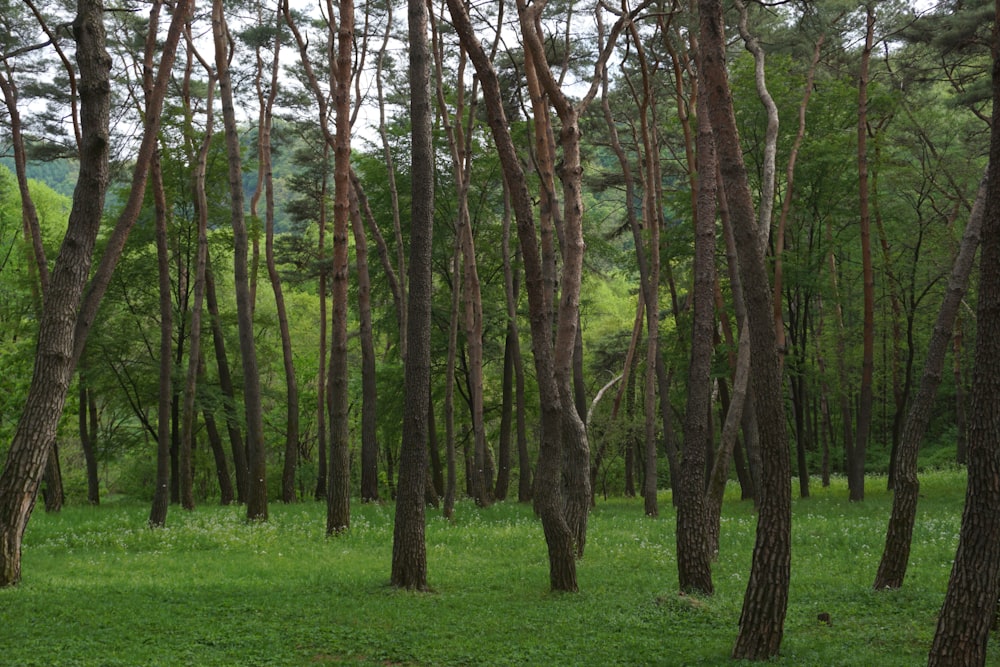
(101, 589)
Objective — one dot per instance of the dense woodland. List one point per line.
(258, 252)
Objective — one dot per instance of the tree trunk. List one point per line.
(236, 442)
(409, 548)
(338, 508)
(970, 604)
(256, 453)
(194, 353)
(856, 462)
(291, 456)
(322, 466)
(451, 488)
(766, 599)
(88, 440)
(906, 490)
(166, 404)
(693, 548)
(369, 384)
(559, 537)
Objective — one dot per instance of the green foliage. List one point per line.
(210, 589)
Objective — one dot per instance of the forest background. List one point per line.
(254, 330)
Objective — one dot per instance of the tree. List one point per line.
(409, 549)
(65, 320)
(766, 599)
(970, 604)
(693, 548)
(256, 454)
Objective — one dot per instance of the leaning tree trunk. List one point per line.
(548, 498)
(36, 429)
(906, 490)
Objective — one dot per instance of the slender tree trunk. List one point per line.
(369, 384)
(906, 490)
(559, 537)
(338, 508)
(256, 454)
(88, 440)
(693, 548)
(161, 493)
(233, 426)
(451, 489)
(322, 466)
(512, 289)
(291, 452)
(856, 462)
(194, 352)
(409, 548)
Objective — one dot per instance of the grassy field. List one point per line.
(101, 589)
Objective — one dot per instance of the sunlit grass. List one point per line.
(100, 588)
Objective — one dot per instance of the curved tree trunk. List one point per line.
(548, 498)
(36, 429)
(766, 599)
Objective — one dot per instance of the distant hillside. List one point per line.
(60, 175)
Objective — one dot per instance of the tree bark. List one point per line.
(857, 454)
(369, 384)
(165, 403)
(233, 427)
(338, 508)
(548, 497)
(88, 440)
(291, 456)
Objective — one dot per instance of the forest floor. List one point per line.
(99, 588)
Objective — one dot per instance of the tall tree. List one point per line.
(970, 604)
(256, 454)
(559, 537)
(693, 549)
(766, 600)
(409, 548)
(64, 323)
(856, 454)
